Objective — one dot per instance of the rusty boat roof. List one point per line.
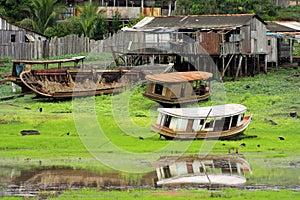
(178, 77)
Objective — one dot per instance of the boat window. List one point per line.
(242, 116)
(167, 120)
(226, 123)
(234, 168)
(208, 168)
(201, 169)
(158, 89)
(223, 165)
(219, 125)
(189, 166)
(182, 90)
(209, 123)
(234, 120)
(167, 172)
(202, 121)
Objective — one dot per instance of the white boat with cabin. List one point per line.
(212, 122)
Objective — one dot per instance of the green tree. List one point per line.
(13, 10)
(43, 15)
(289, 13)
(100, 28)
(116, 23)
(264, 8)
(91, 21)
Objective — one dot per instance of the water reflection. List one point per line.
(30, 182)
(190, 172)
(227, 170)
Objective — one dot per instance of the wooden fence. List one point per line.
(71, 44)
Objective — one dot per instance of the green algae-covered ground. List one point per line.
(102, 133)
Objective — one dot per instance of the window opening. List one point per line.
(158, 89)
(189, 167)
(167, 172)
(234, 120)
(12, 38)
(168, 120)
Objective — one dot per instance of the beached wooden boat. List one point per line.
(75, 80)
(178, 87)
(25, 65)
(214, 122)
(212, 170)
(65, 83)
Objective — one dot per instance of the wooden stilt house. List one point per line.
(233, 44)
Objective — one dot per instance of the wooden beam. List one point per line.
(223, 73)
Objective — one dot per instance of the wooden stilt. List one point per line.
(223, 65)
(246, 65)
(266, 64)
(258, 66)
(239, 67)
(227, 66)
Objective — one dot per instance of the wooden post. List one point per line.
(291, 51)
(246, 65)
(223, 65)
(227, 66)
(258, 67)
(254, 64)
(239, 67)
(266, 63)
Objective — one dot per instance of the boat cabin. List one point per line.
(202, 122)
(178, 87)
(209, 170)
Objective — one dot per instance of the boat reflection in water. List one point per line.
(217, 170)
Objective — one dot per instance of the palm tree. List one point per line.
(87, 14)
(91, 21)
(43, 15)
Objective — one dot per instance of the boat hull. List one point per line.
(176, 101)
(61, 83)
(233, 132)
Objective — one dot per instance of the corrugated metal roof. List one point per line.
(199, 21)
(276, 26)
(290, 24)
(203, 112)
(144, 21)
(178, 77)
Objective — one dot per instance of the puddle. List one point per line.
(48, 182)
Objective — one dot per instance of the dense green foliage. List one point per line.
(290, 13)
(264, 8)
(14, 10)
(42, 15)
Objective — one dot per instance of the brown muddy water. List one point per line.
(43, 183)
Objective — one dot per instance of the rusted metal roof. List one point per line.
(178, 77)
(200, 21)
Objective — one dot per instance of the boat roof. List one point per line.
(73, 59)
(168, 160)
(177, 77)
(216, 179)
(203, 112)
